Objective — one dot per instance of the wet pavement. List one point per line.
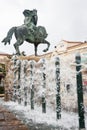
(37, 126)
(11, 119)
(8, 121)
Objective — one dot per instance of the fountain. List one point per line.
(47, 83)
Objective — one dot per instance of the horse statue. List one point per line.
(28, 32)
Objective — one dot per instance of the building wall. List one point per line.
(4, 59)
(68, 68)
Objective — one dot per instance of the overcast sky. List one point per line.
(63, 20)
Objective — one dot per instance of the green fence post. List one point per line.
(44, 85)
(18, 88)
(58, 98)
(14, 97)
(32, 83)
(80, 93)
(25, 85)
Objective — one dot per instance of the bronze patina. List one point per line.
(29, 31)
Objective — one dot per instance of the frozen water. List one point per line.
(41, 78)
(35, 118)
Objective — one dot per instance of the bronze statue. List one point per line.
(28, 32)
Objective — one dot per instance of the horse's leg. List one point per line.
(48, 45)
(16, 46)
(35, 46)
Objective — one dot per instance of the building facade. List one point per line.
(4, 63)
(67, 50)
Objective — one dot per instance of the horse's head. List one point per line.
(26, 12)
(32, 14)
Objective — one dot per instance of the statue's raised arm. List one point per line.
(29, 32)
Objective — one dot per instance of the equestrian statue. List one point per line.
(29, 31)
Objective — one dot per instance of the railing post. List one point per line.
(80, 93)
(58, 98)
(44, 85)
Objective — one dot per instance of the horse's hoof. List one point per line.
(18, 54)
(23, 53)
(36, 55)
(45, 50)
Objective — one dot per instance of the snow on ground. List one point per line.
(68, 121)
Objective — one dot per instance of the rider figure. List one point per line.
(30, 19)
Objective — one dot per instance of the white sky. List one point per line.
(63, 19)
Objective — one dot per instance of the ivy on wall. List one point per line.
(2, 69)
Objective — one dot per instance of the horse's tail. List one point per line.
(8, 38)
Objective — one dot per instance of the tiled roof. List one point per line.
(73, 43)
(4, 54)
